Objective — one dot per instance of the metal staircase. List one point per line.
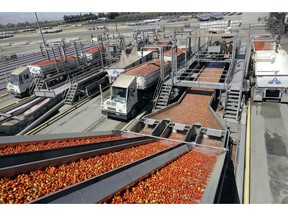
(33, 84)
(233, 104)
(71, 94)
(40, 83)
(163, 97)
(163, 89)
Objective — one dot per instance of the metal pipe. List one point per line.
(101, 48)
(101, 97)
(161, 63)
(40, 29)
(85, 57)
(42, 36)
(54, 57)
(62, 58)
(63, 52)
(42, 118)
(76, 53)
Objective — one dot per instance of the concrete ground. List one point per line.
(269, 153)
(269, 150)
(84, 119)
(34, 38)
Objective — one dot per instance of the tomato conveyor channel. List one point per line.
(27, 176)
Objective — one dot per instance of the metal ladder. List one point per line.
(163, 97)
(33, 84)
(71, 94)
(39, 84)
(232, 104)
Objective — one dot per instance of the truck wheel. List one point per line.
(133, 112)
(27, 92)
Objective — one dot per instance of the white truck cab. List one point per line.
(19, 82)
(123, 98)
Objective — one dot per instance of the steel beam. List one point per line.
(15, 140)
(212, 35)
(197, 84)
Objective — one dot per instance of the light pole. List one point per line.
(42, 36)
(40, 29)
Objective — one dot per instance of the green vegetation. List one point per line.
(91, 17)
(147, 15)
(28, 25)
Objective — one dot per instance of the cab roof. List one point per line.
(19, 70)
(123, 81)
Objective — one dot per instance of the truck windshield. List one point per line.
(118, 94)
(15, 79)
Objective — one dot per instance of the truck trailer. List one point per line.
(45, 67)
(270, 72)
(22, 77)
(132, 90)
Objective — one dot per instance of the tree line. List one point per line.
(123, 16)
(89, 16)
(21, 25)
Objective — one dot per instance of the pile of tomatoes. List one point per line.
(182, 181)
(192, 109)
(27, 187)
(262, 45)
(50, 144)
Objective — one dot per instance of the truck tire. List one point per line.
(133, 113)
(27, 93)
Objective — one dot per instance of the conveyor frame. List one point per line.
(34, 156)
(104, 186)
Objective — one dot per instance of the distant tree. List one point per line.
(10, 25)
(101, 15)
(112, 15)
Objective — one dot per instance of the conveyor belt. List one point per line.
(13, 146)
(194, 105)
(11, 165)
(192, 109)
(102, 187)
(182, 181)
(74, 169)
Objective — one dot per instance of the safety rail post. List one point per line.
(62, 58)
(83, 54)
(54, 58)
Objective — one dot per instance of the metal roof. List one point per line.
(123, 81)
(271, 63)
(19, 70)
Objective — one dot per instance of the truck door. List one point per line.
(26, 81)
(132, 96)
